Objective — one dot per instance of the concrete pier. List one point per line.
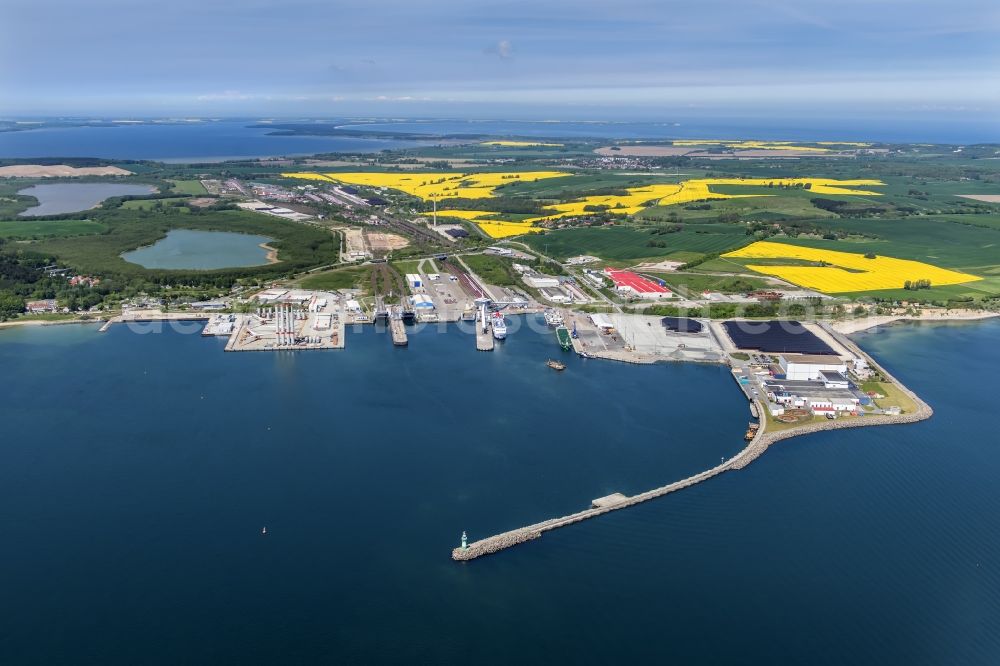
(484, 339)
(398, 330)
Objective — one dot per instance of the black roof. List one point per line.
(681, 324)
(776, 336)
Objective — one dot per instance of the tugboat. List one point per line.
(555, 365)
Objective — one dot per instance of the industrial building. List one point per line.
(631, 284)
(414, 280)
(817, 396)
(809, 367)
(602, 322)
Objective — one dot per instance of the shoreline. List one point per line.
(866, 323)
(272, 253)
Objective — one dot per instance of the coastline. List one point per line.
(857, 325)
(272, 253)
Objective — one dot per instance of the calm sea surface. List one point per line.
(231, 139)
(191, 142)
(137, 470)
(187, 248)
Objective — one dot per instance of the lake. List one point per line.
(137, 469)
(60, 198)
(188, 142)
(203, 250)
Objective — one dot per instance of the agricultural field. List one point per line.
(627, 245)
(834, 272)
(192, 187)
(521, 144)
(29, 229)
(621, 201)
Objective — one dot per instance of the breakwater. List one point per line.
(757, 446)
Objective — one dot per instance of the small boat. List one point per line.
(264, 531)
(555, 365)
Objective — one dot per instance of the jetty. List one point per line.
(753, 450)
(398, 330)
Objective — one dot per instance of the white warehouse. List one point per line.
(808, 367)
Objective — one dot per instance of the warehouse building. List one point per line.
(631, 284)
(808, 367)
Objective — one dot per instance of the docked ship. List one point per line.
(562, 335)
(499, 325)
(553, 318)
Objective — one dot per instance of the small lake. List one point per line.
(59, 198)
(203, 250)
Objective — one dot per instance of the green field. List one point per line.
(630, 244)
(694, 284)
(494, 270)
(192, 187)
(20, 230)
(354, 277)
(151, 204)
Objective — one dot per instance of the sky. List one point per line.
(560, 59)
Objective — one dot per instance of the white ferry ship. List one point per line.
(499, 326)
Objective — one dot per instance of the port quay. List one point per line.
(811, 388)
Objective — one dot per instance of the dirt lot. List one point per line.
(383, 242)
(58, 171)
(988, 198)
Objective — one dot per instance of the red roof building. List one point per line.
(632, 284)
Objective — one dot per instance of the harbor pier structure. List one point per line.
(398, 330)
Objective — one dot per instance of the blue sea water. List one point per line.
(179, 142)
(137, 469)
(234, 139)
(804, 127)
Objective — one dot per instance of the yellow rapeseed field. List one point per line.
(846, 271)
(750, 145)
(442, 186)
(438, 186)
(520, 144)
(698, 190)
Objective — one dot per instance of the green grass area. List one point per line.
(494, 270)
(192, 187)
(630, 244)
(894, 397)
(404, 267)
(354, 277)
(694, 284)
(28, 229)
(935, 240)
(151, 204)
